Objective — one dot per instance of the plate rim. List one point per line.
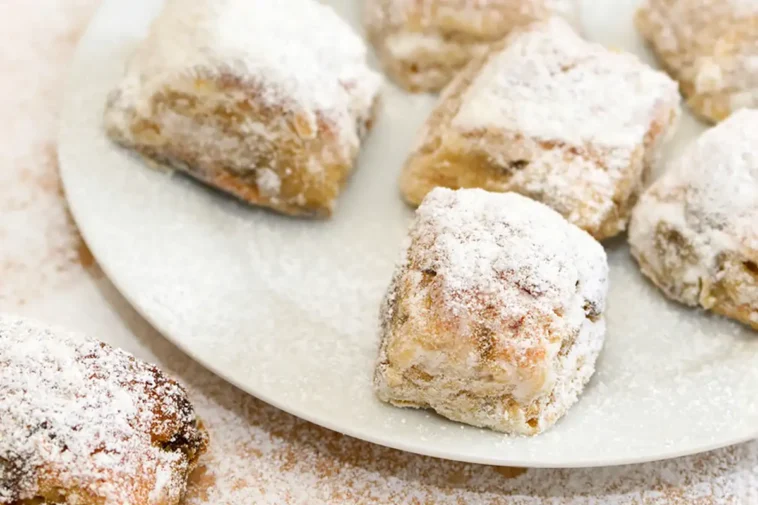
(422, 449)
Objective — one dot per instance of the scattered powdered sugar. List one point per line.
(30, 192)
(78, 415)
(550, 84)
(260, 454)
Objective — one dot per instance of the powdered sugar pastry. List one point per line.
(81, 422)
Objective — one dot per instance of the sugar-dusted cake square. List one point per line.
(495, 316)
(423, 44)
(695, 231)
(266, 100)
(549, 115)
(83, 423)
(710, 47)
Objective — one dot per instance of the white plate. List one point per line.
(287, 309)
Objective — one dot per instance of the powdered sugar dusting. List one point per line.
(268, 182)
(721, 172)
(260, 454)
(525, 293)
(550, 84)
(708, 202)
(88, 419)
(713, 187)
(423, 44)
(551, 116)
(473, 239)
(30, 189)
(299, 50)
(248, 96)
(474, 16)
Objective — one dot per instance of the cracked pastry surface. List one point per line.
(82, 423)
(710, 47)
(495, 316)
(423, 44)
(695, 232)
(551, 116)
(267, 101)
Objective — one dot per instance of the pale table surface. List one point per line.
(258, 454)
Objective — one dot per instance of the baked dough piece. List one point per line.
(495, 317)
(710, 47)
(82, 423)
(266, 100)
(553, 117)
(423, 44)
(695, 231)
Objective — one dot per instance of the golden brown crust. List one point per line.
(273, 111)
(736, 284)
(495, 318)
(590, 183)
(707, 46)
(423, 44)
(306, 169)
(694, 232)
(728, 291)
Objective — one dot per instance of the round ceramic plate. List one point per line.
(287, 309)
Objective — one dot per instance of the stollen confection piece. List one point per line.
(82, 423)
(423, 44)
(495, 316)
(695, 231)
(710, 47)
(551, 116)
(266, 100)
